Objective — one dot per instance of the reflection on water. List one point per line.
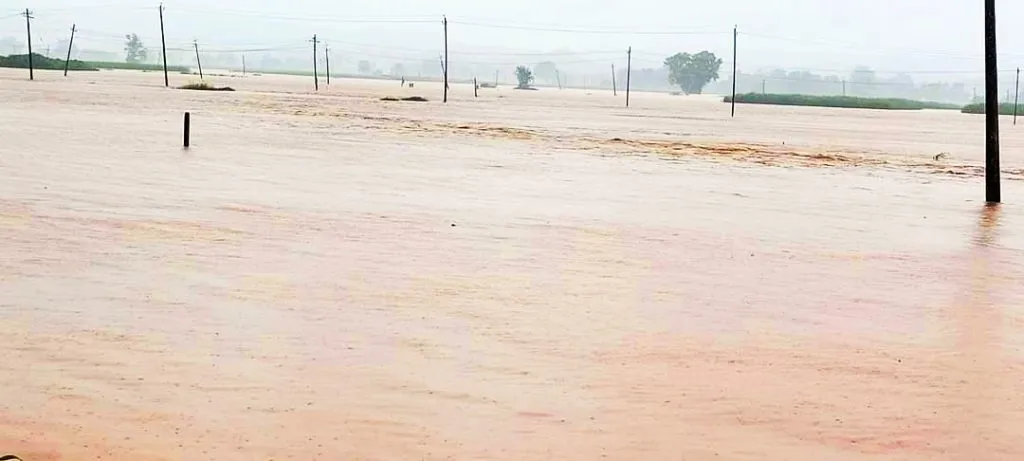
(979, 368)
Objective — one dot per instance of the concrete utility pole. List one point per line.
(993, 191)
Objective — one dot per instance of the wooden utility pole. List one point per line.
(163, 45)
(28, 28)
(198, 61)
(1016, 98)
(496, 79)
(993, 192)
(629, 71)
(316, 78)
(327, 60)
(243, 65)
(735, 39)
(445, 22)
(71, 43)
(615, 91)
(764, 87)
(558, 78)
(844, 87)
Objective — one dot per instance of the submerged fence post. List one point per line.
(188, 128)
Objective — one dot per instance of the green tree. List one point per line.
(525, 77)
(134, 50)
(692, 72)
(546, 72)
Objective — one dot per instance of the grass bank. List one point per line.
(848, 102)
(20, 61)
(1005, 108)
(137, 66)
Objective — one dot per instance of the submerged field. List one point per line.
(520, 276)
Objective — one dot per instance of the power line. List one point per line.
(582, 31)
(849, 45)
(344, 20)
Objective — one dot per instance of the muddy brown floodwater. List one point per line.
(523, 276)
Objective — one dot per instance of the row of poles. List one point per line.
(993, 192)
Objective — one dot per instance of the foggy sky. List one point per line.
(889, 35)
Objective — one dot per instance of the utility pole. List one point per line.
(764, 87)
(844, 87)
(316, 78)
(243, 65)
(993, 192)
(615, 91)
(71, 43)
(558, 78)
(629, 71)
(1016, 98)
(735, 40)
(28, 27)
(496, 79)
(445, 22)
(198, 61)
(163, 44)
(327, 58)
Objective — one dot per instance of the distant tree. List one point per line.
(546, 72)
(134, 50)
(11, 45)
(692, 72)
(862, 81)
(365, 67)
(525, 77)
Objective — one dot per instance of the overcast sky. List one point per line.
(911, 35)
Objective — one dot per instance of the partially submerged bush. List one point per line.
(205, 87)
(410, 98)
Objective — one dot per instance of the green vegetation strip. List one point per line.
(838, 101)
(137, 66)
(20, 61)
(1005, 108)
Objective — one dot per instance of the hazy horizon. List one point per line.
(930, 40)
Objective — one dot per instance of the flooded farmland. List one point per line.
(519, 276)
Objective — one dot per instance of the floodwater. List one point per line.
(522, 276)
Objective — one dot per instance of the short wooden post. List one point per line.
(188, 128)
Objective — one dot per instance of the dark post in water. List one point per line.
(316, 78)
(28, 28)
(445, 22)
(476, 88)
(71, 43)
(1016, 98)
(629, 71)
(327, 59)
(188, 128)
(198, 62)
(163, 45)
(735, 38)
(615, 91)
(993, 193)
